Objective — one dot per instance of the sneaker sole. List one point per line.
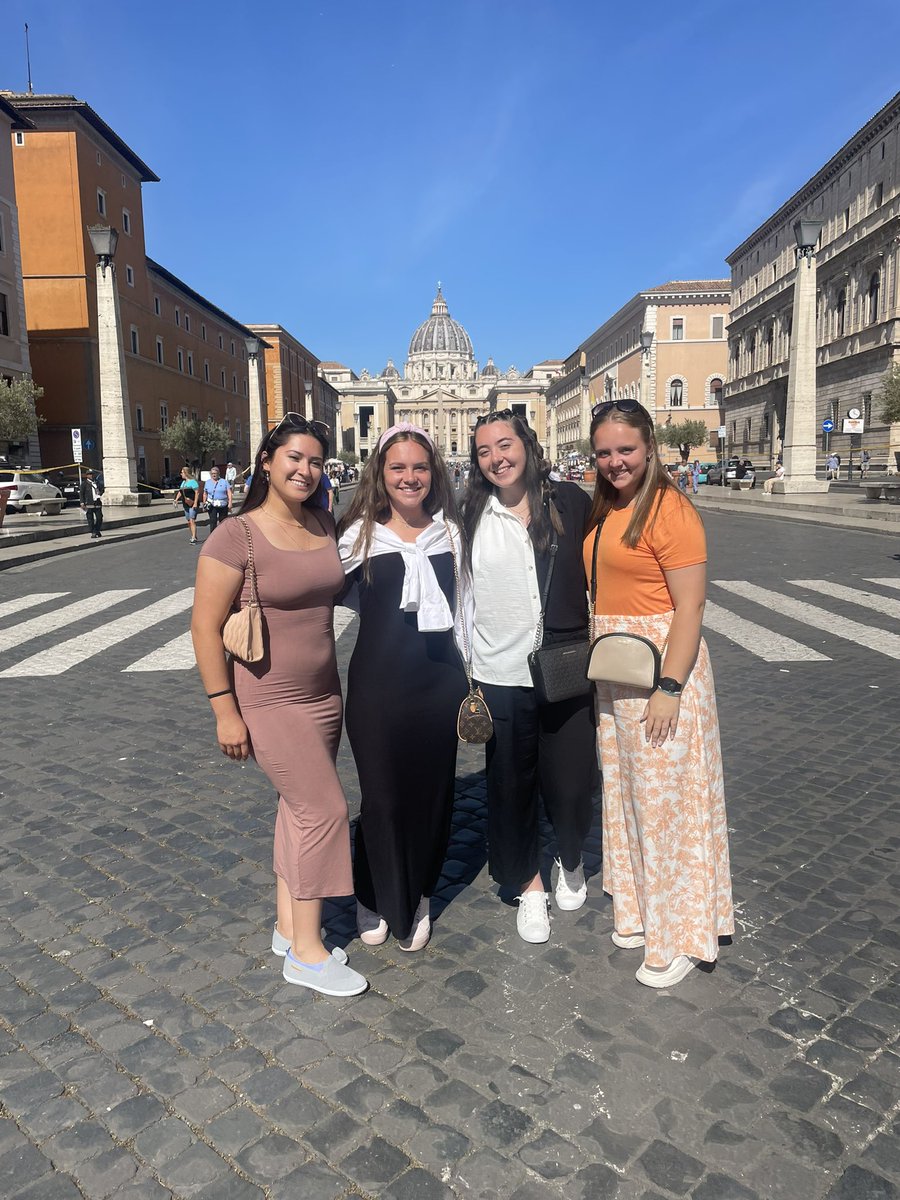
(373, 937)
(632, 941)
(534, 941)
(570, 905)
(664, 980)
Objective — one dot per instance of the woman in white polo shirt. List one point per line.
(512, 516)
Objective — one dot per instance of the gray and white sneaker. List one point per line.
(331, 978)
(281, 945)
(571, 889)
(533, 917)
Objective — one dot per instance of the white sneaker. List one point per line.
(373, 930)
(421, 928)
(627, 941)
(533, 917)
(571, 889)
(662, 977)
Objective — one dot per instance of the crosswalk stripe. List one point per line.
(22, 602)
(75, 650)
(827, 622)
(177, 655)
(894, 583)
(67, 615)
(769, 646)
(871, 600)
(342, 618)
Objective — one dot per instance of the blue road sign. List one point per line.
(89, 443)
(827, 426)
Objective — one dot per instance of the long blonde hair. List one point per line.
(656, 482)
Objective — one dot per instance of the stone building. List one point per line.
(15, 361)
(294, 382)
(441, 389)
(856, 197)
(680, 377)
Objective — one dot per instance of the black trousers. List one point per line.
(546, 749)
(215, 516)
(94, 520)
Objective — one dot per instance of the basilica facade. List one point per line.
(441, 389)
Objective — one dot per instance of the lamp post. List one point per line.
(119, 466)
(647, 399)
(308, 410)
(800, 417)
(258, 422)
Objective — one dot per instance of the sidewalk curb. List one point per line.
(42, 550)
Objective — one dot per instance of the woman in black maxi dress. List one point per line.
(404, 688)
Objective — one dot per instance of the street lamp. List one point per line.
(119, 467)
(648, 401)
(800, 414)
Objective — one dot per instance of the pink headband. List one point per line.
(403, 427)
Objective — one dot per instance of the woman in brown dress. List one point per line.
(286, 709)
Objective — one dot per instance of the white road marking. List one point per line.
(177, 655)
(74, 651)
(894, 583)
(20, 602)
(342, 618)
(67, 615)
(769, 646)
(871, 600)
(826, 622)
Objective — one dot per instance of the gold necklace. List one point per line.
(293, 526)
(418, 528)
(281, 520)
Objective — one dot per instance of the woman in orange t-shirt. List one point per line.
(665, 838)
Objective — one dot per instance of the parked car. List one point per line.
(23, 487)
(740, 468)
(714, 473)
(703, 473)
(69, 486)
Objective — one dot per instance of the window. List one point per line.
(718, 327)
(227, 425)
(206, 370)
(190, 363)
(160, 357)
(245, 387)
(867, 407)
(139, 418)
(715, 392)
(129, 276)
(234, 381)
(237, 430)
(126, 222)
(20, 139)
(2, 236)
(195, 416)
(676, 393)
(841, 312)
(4, 315)
(203, 331)
(222, 376)
(157, 306)
(180, 359)
(163, 417)
(221, 343)
(135, 344)
(232, 348)
(177, 315)
(846, 219)
(184, 414)
(878, 195)
(187, 322)
(101, 202)
(874, 295)
(677, 329)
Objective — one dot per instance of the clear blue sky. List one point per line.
(324, 162)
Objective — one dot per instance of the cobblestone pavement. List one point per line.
(149, 1047)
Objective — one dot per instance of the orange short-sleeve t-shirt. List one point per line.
(631, 582)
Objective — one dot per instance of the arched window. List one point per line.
(874, 293)
(770, 342)
(676, 393)
(841, 312)
(715, 392)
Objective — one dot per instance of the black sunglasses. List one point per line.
(499, 414)
(302, 425)
(625, 406)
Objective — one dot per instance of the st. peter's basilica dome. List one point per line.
(441, 335)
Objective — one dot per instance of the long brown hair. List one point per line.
(370, 503)
(543, 511)
(282, 433)
(656, 481)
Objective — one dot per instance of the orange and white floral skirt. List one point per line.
(665, 836)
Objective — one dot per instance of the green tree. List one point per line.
(889, 396)
(584, 448)
(195, 440)
(348, 458)
(18, 416)
(684, 436)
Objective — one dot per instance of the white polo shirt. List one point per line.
(507, 598)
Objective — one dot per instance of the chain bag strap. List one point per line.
(243, 634)
(474, 723)
(557, 672)
(626, 659)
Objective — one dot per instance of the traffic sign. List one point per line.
(77, 455)
(827, 425)
(89, 443)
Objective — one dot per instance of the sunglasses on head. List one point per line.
(625, 406)
(302, 425)
(499, 414)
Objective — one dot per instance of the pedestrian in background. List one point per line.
(91, 504)
(231, 476)
(397, 546)
(864, 461)
(326, 493)
(695, 476)
(665, 837)
(286, 709)
(512, 517)
(188, 497)
(219, 498)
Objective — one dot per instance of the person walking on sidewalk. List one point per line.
(218, 497)
(187, 496)
(285, 709)
(402, 552)
(516, 523)
(665, 835)
(91, 504)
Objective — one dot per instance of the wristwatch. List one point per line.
(670, 686)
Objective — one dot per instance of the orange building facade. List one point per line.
(293, 381)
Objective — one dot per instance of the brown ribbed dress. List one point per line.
(292, 705)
